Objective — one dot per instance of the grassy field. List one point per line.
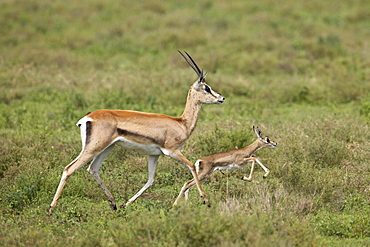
(298, 69)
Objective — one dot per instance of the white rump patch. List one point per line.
(82, 124)
(84, 120)
(197, 166)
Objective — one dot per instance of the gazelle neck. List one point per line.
(254, 147)
(191, 111)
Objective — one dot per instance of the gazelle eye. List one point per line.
(207, 89)
(267, 139)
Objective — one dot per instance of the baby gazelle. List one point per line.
(230, 160)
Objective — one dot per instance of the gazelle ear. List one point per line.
(203, 79)
(257, 132)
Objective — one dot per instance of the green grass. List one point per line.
(299, 70)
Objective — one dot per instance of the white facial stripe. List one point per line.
(209, 90)
(214, 93)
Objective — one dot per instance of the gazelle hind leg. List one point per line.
(184, 191)
(267, 171)
(179, 157)
(203, 172)
(152, 165)
(81, 160)
(94, 171)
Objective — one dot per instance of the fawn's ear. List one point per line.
(257, 131)
(268, 142)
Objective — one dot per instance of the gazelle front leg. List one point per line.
(152, 165)
(267, 171)
(249, 179)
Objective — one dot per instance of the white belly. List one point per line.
(229, 167)
(151, 149)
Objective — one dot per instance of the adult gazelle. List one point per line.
(147, 133)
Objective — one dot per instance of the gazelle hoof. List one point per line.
(114, 206)
(50, 212)
(206, 201)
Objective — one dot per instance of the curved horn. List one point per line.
(192, 64)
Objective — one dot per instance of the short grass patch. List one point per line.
(299, 71)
